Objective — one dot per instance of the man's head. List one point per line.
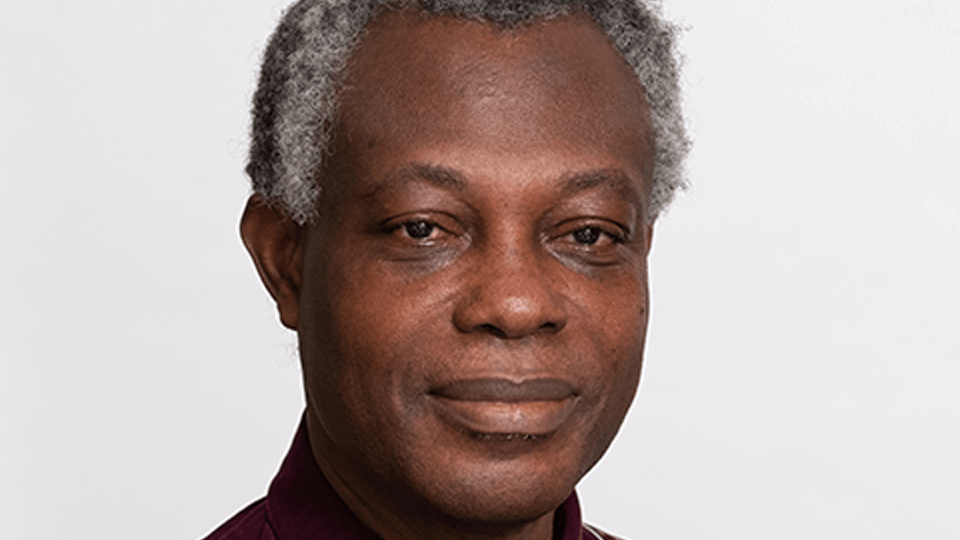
(470, 287)
(296, 104)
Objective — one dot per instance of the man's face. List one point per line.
(473, 301)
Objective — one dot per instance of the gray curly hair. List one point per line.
(295, 105)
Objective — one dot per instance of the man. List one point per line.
(454, 206)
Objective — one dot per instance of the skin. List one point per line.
(472, 301)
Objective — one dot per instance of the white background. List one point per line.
(802, 370)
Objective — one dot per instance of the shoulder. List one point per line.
(248, 524)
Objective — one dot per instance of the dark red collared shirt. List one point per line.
(301, 504)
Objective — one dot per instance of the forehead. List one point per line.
(440, 80)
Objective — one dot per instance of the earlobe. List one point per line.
(273, 241)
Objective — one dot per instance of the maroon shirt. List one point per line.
(301, 504)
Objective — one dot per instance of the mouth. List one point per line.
(504, 410)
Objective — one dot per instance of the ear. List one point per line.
(273, 241)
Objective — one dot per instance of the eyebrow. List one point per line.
(613, 179)
(436, 175)
(571, 184)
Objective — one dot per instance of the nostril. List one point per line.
(492, 329)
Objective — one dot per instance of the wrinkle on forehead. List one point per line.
(438, 77)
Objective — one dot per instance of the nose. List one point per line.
(511, 294)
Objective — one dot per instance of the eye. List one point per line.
(425, 238)
(590, 241)
(587, 236)
(596, 237)
(419, 230)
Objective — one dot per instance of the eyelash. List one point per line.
(419, 229)
(406, 226)
(616, 235)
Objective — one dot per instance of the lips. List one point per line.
(494, 406)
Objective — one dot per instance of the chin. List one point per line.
(501, 493)
(499, 479)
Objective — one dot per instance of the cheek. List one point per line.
(377, 331)
(618, 311)
(618, 333)
(350, 372)
(617, 315)
(341, 312)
